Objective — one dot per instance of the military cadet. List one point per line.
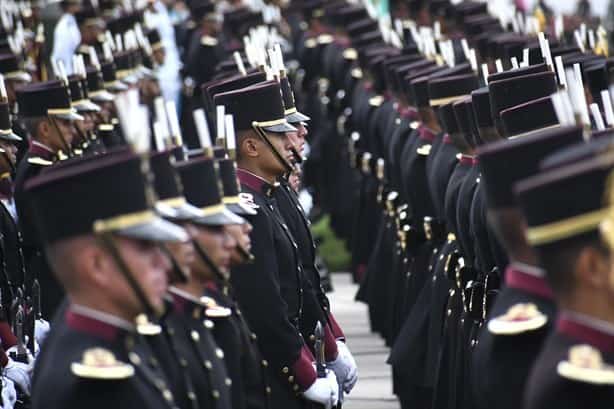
(14, 269)
(112, 270)
(525, 293)
(84, 130)
(45, 109)
(342, 363)
(15, 76)
(246, 365)
(573, 369)
(270, 290)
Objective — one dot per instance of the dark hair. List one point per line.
(559, 259)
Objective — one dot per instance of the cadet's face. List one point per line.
(183, 253)
(240, 233)
(298, 137)
(9, 155)
(159, 55)
(218, 245)
(88, 122)
(283, 145)
(149, 267)
(67, 132)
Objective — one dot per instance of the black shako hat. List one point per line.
(109, 76)
(231, 188)
(46, 98)
(505, 162)
(171, 202)
(293, 116)
(91, 184)
(551, 217)
(11, 68)
(260, 105)
(6, 126)
(211, 89)
(78, 95)
(95, 86)
(201, 187)
(155, 41)
(510, 92)
(528, 117)
(449, 89)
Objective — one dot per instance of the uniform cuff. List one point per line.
(6, 335)
(330, 344)
(304, 373)
(337, 332)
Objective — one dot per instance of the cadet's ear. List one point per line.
(99, 264)
(43, 128)
(592, 267)
(249, 143)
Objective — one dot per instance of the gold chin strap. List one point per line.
(257, 127)
(108, 243)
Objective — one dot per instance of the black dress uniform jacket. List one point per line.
(189, 329)
(34, 161)
(270, 293)
(70, 376)
(501, 362)
(244, 362)
(560, 380)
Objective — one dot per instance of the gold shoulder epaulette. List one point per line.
(424, 150)
(325, 39)
(350, 54)
(585, 364)
(376, 101)
(100, 363)
(37, 160)
(518, 319)
(208, 41)
(145, 327)
(213, 309)
(311, 43)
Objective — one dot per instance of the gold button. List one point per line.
(153, 361)
(168, 395)
(191, 396)
(285, 369)
(254, 336)
(268, 390)
(265, 363)
(219, 353)
(228, 381)
(196, 313)
(170, 331)
(291, 379)
(208, 364)
(312, 337)
(208, 324)
(160, 384)
(183, 362)
(215, 394)
(195, 336)
(295, 388)
(134, 358)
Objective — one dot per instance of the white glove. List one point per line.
(19, 373)
(344, 367)
(41, 329)
(324, 391)
(9, 394)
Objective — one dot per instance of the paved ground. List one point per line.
(374, 388)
